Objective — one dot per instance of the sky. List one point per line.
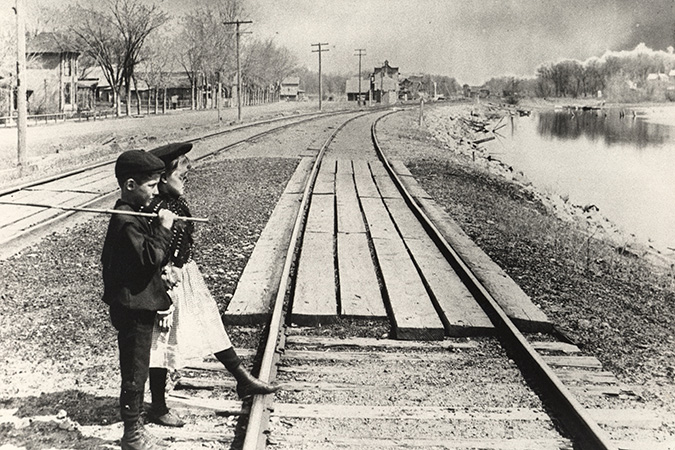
(470, 40)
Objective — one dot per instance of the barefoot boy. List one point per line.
(134, 253)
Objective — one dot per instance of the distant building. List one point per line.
(290, 89)
(657, 77)
(384, 84)
(352, 89)
(51, 74)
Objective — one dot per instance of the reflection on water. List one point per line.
(618, 162)
(610, 125)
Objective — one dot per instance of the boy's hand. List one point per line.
(165, 319)
(166, 218)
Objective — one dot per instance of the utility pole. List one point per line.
(319, 52)
(20, 85)
(361, 52)
(238, 33)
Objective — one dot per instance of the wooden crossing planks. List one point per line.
(516, 303)
(325, 180)
(365, 185)
(458, 309)
(259, 282)
(315, 299)
(413, 313)
(349, 216)
(360, 294)
(296, 185)
(321, 214)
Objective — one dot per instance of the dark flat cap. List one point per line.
(137, 162)
(169, 152)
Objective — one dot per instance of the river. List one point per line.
(620, 161)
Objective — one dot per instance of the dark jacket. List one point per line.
(134, 253)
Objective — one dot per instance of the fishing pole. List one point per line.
(101, 211)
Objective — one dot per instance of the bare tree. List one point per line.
(206, 45)
(114, 35)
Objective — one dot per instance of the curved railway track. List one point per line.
(91, 186)
(355, 247)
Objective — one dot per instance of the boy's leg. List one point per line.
(134, 339)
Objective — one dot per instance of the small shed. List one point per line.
(290, 89)
(352, 89)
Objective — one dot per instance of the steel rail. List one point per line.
(25, 234)
(259, 412)
(306, 117)
(577, 422)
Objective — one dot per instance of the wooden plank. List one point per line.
(563, 347)
(356, 342)
(315, 299)
(365, 185)
(387, 187)
(349, 216)
(571, 376)
(229, 407)
(344, 166)
(414, 315)
(399, 168)
(459, 311)
(413, 187)
(355, 356)
(589, 362)
(296, 185)
(413, 311)
(378, 169)
(360, 294)
(510, 297)
(321, 216)
(288, 440)
(378, 221)
(259, 281)
(632, 417)
(325, 180)
(398, 412)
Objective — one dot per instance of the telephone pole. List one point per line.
(20, 85)
(319, 51)
(361, 52)
(238, 33)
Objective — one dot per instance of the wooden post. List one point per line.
(421, 119)
(22, 107)
(319, 51)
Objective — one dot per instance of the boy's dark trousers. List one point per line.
(134, 339)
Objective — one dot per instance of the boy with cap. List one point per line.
(134, 253)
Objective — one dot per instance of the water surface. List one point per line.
(613, 159)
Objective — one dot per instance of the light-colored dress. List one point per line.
(197, 329)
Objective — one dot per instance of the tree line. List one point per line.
(616, 76)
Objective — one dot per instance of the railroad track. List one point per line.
(92, 186)
(388, 328)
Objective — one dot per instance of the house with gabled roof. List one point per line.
(51, 74)
(385, 84)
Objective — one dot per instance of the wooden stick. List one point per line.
(100, 211)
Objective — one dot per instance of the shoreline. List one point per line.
(440, 123)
